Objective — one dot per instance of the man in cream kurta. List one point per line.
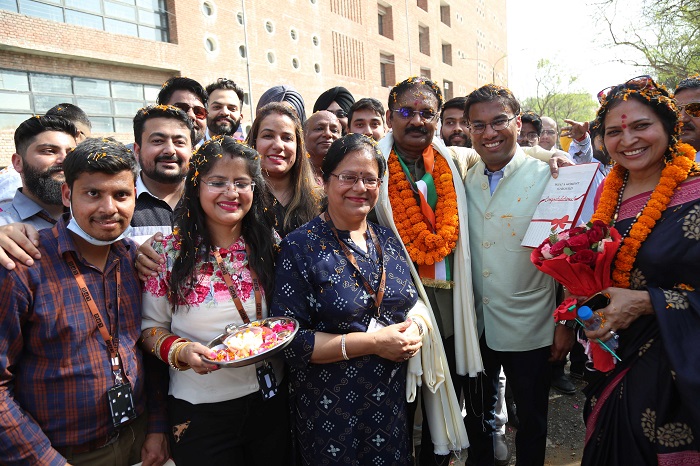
(514, 301)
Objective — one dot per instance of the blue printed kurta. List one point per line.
(347, 412)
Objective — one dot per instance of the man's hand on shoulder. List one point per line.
(18, 241)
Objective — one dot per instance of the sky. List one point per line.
(565, 32)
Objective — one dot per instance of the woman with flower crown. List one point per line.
(647, 411)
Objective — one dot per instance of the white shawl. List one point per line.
(445, 415)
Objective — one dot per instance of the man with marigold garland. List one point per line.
(423, 201)
(513, 300)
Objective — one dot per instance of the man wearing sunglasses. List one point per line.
(338, 101)
(190, 97)
(687, 96)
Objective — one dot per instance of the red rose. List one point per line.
(558, 248)
(579, 243)
(585, 256)
(595, 234)
(576, 231)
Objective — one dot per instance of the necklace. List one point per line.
(675, 172)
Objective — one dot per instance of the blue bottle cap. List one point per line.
(585, 312)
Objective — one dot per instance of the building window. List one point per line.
(425, 73)
(269, 26)
(422, 4)
(293, 34)
(445, 13)
(144, 19)
(315, 41)
(211, 45)
(242, 51)
(110, 104)
(239, 18)
(385, 20)
(295, 63)
(424, 39)
(317, 68)
(271, 58)
(208, 8)
(447, 53)
(447, 89)
(386, 70)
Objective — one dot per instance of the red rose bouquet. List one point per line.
(580, 259)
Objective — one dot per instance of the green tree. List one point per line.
(665, 36)
(558, 97)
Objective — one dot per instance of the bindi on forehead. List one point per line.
(624, 117)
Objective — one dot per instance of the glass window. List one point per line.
(127, 108)
(86, 86)
(42, 103)
(13, 80)
(149, 33)
(121, 27)
(53, 84)
(101, 124)
(15, 101)
(10, 5)
(127, 90)
(124, 125)
(84, 19)
(10, 121)
(151, 93)
(151, 4)
(121, 11)
(41, 10)
(93, 6)
(95, 106)
(151, 18)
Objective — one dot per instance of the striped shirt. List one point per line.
(54, 365)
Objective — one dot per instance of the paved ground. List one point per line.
(565, 431)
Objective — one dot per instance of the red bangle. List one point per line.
(165, 347)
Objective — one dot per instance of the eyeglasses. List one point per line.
(531, 136)
(691, 108)
(340, 113)
(498, 125)
(408, 114)
(350, 180)
(222, 186)
(199, 112)
(549, 132)
(639, 83)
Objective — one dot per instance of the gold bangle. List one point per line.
(171, 353)
(176, 362)
(159, 342)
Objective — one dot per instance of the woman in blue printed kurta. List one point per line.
(349, 381)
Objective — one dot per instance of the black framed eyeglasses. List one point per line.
(199, 112)
(531, 136)
(497, 125)
(408, 113)
(638, 83)
(691, 108)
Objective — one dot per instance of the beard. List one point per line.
(223, 126)
(43, 185)
(452, 140)
(160, 176)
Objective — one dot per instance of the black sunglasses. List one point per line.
(691, 108)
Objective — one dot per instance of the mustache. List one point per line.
(108, 218)
(55, 169)
(226, 119)
(416, 129)
(168, 158)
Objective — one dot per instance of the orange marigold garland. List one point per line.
(675, 172)
(423, 245)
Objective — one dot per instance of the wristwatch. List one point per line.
(568, 323)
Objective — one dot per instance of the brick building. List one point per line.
(110, 56)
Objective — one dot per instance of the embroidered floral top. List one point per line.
(211, 308)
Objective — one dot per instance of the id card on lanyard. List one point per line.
(120, 397)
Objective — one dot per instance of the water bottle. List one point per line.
(593, 321)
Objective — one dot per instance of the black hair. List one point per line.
(534, 119)
(653, 96)
(32, 127)
(304, 204)
(226, 84)
(70, 112)
(457, 102)
(160, 111)
(196, 242)
(691, 82)
(98, 155)
(366, 103)
(416, 81)
(493, 93)
(351, 143)
(180, 83)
